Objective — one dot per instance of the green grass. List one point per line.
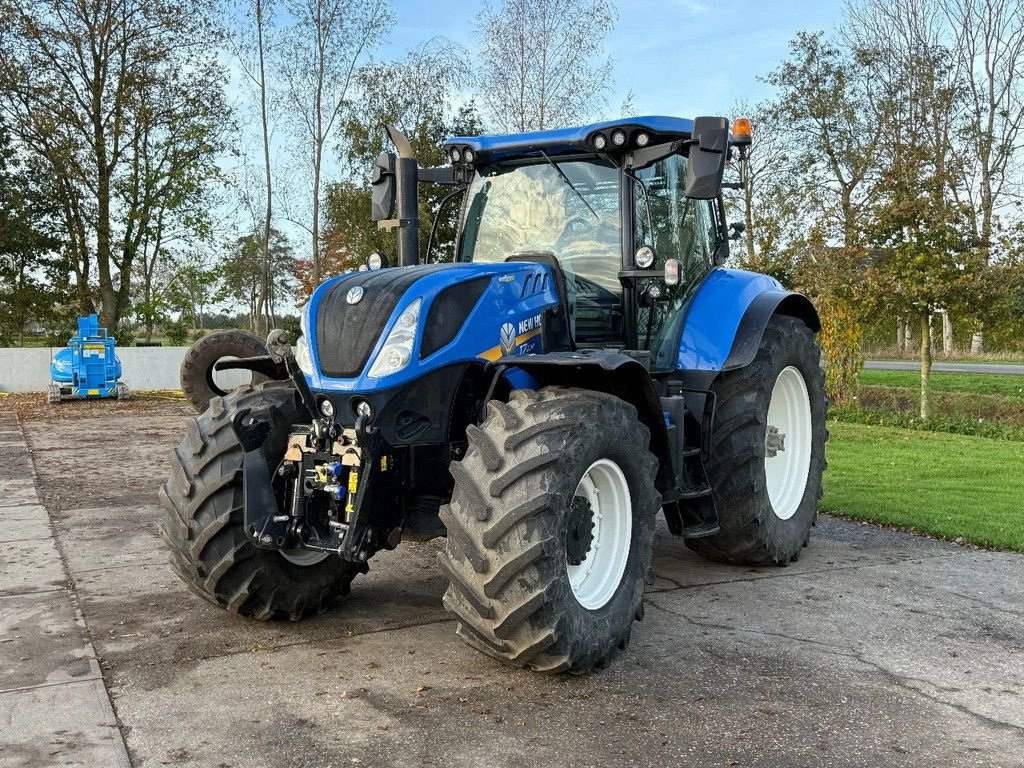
(951, 486)
(1006, 385)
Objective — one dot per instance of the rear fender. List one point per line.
(611, 372)
(728, 315)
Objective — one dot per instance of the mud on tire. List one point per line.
(751, 533)
(203, 525)
(507, 528)
(196, 374)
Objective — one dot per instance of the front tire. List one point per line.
(550, 529)
(203, 522)
(768, 450)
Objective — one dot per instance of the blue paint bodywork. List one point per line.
(715, 314)
(88, 364)
(565, 139)
(502, 302)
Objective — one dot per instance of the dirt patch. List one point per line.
(32, 406)
(956, 404)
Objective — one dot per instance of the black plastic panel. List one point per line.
(448, 313)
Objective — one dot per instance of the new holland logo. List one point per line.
(354, 295)
(508, 338)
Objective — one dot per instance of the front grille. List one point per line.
(347, 333)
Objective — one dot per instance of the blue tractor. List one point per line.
(580, 363)
(88, 366)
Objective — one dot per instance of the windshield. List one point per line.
(569, 208)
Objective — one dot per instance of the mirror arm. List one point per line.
(641, 158)
(446, 176)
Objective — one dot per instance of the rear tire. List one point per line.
(203, 523)
(519, 559)
(764, 514)
(197, 382)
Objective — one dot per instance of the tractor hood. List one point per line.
(377, 329)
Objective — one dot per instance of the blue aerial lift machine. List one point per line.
(88, 368)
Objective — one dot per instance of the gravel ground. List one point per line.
(877, 648)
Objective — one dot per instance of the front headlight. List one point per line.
(397, 350)
(303, 357)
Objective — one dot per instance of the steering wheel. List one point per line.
(575, 225)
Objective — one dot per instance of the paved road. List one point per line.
(875, 649)
(943, 367)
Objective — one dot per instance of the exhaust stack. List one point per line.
(407, 200)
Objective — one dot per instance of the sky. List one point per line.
(678, 57)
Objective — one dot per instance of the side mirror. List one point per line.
(382, 198)
(708, 154)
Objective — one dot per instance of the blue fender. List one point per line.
(728, 315)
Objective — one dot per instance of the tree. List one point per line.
(348, 237)
(925, 260)
(247, 281)
(192, 286)
(249, 39)
(171, 180)
(772, 199)
(988, 54)
(824, 105)
(318, 58)
(542, 62)
(415, 94)
(28, 243)
(108, 96)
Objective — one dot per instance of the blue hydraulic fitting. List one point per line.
(335, 491)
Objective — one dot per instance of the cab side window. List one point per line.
(675, 226)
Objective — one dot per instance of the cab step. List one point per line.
(700, 531)
(695, 493)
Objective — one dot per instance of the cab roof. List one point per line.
(658, 129)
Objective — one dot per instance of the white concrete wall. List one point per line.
(28, 369)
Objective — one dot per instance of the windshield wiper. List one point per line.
(571, 186)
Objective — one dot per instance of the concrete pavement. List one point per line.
(54, 708)
(875, 649)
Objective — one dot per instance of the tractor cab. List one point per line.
(622, 229)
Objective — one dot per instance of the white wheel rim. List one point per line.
(595, 580)
(303, 557)
(787, 458)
